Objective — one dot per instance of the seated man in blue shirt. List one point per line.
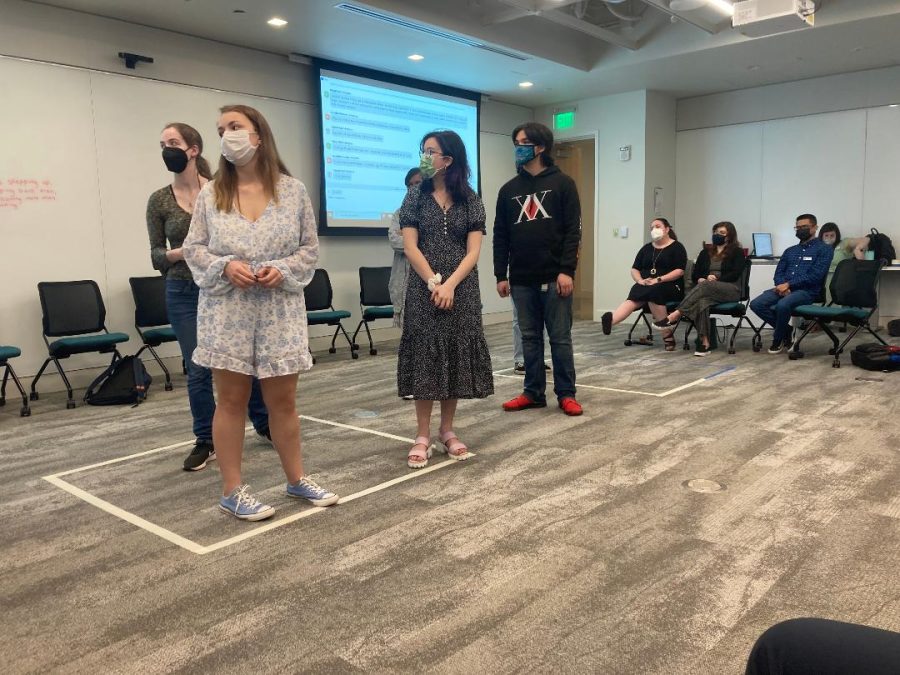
(799, 278)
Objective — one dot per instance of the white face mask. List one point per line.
(236, 147)
(657, 233)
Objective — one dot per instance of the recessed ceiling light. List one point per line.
(276, 21)
(415, 57)
(723, 6)
(526, 84)
(894, 105)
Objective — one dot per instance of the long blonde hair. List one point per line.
(269, 166)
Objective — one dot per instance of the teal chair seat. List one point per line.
(831, 313)
(86, 343)
(370, 313)
(732, 308)
(156, 336)
(328, 317)
(9, 353)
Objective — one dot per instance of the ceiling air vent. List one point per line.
(422, 28)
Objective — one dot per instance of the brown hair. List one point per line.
(269, 166)
(672, 235)
(731, 241)
(192, 137)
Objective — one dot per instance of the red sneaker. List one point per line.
(571, 407)
(522, 402)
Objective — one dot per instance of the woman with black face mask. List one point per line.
(169, 212)
(717, 278)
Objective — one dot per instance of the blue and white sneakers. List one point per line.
(305, 488)
(241, 504)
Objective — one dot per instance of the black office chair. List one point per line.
(72, 310)
(374, 300)
(151, 318)
(6, 353)
(321, 312)
(736, 310)
(854, 299)
(647, 340)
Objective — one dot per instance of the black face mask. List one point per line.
(802, 233)
(176, 159)
(718, 239)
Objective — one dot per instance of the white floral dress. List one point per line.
(255, 331)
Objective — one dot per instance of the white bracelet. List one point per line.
(434, 281)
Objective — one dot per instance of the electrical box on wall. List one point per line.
(624, 153)
(758, 18)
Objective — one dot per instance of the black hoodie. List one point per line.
(537, 228)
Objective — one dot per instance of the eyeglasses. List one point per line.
(430, 152)
(523, 145)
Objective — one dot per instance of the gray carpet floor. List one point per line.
(566, 544)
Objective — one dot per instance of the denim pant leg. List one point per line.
(783, 309)
(763, 305)
(530, 311)
(181, 304)
(518, 354)
(558, 319)
(256, 407)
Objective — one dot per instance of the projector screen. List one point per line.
(372, 124)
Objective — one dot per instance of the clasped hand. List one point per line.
(442, 296)
(240, 275)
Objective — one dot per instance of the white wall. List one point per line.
(102, 128)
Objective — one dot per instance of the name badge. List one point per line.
(544, 288)
(807, 257)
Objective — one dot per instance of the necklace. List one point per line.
(655, 258)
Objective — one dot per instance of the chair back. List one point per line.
(373, 286)
(149, 301)
(855, 283)
(318, 293)
(745, 280)
(71, 307)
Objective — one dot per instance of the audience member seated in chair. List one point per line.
(824, 647)
(658, 272)
(717, 278)
(799, 278)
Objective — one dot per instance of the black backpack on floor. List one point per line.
(124, 382)
(875, 356)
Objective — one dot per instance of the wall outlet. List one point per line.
(623, 232)
(624, 153)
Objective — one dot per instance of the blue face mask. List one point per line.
(524, 154)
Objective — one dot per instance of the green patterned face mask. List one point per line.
(426, 166)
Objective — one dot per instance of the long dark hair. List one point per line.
(456, 176)
(731, 243)
(831, 227)
(192, 137)
(269, 166)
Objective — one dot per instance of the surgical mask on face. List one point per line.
(718, 239)
(802, 233)
(176, 159)
(236, 147)
(657, 233)
(524, 154)
(829, 240)
(426, 166)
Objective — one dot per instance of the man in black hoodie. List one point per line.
(536, 235)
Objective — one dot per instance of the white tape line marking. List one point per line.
(353, 428)
(127, 516)
(591, 386)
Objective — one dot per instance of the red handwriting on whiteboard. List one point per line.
(17, 193)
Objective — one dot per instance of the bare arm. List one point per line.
(414, 255)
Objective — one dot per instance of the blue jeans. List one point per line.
(181, 303)
(537, 308)
(776, 310)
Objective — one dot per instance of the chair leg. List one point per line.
(734, 333)
(34, 394)
(24, 411)
(161, 365)
(372, 350)
(70, 402)
(3, 385)
(795, 352)
(872, 332)
(838, 350)
(687, 331)
(353, 345)
(649, 339)
(354, 348)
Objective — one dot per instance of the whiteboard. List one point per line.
(881, 208)
(93, 139)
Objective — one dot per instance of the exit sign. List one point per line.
(564, 120)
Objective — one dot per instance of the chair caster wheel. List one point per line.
(836, 364)
(169, 386)
(757, 348)
(34, 396)
(2, 402)
(314, 360)
(793, 356)
(373, 352)
(628, 343)
(354, 347)
(70, 405)
(25, 411)
(686, 348)
(354, 355)
(331, 350)
(731, 351)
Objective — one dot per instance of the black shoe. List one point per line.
(202, 453)
(519, 368)
(265, 435)
(702, 350)
(777, 348)
(606, 321)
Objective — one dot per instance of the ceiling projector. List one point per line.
(758, 18)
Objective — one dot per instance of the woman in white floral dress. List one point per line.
(252, 248)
